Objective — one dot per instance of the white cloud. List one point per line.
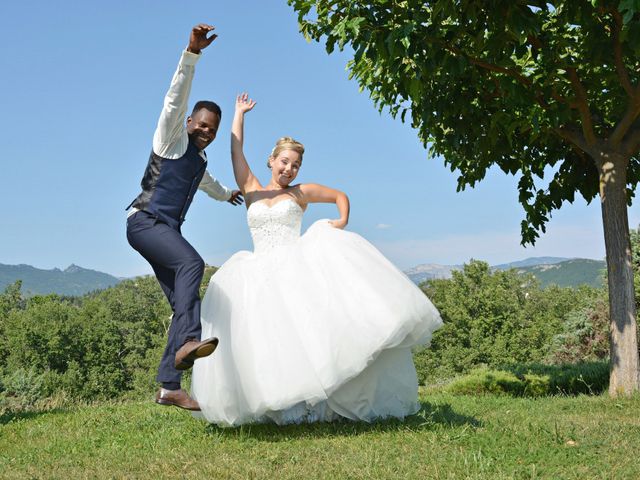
(383, 226)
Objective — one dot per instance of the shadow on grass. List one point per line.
(589, 378)
(10, 416)
(428, 417)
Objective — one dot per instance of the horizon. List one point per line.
(121, 277)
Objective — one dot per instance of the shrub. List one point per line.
(86, 348)
(105, 344)
(485, 381)
(585, 335)
(22, 388)
(494, 319)
(534, 380)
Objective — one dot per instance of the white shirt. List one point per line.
(170, 139)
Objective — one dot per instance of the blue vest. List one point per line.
(168, 186)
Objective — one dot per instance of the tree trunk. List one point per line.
(625, 376)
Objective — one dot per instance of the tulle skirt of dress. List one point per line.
(312, 331)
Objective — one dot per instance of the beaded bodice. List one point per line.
(275, 225)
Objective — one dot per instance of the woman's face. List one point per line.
(284, 167)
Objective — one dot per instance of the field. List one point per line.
(459, 437)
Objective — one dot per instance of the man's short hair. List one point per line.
(207, 105)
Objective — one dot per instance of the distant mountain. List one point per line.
(530, 262)
(430, 271)
(74, 280)
(563, 272)
(570, 273)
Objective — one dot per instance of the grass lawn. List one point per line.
(454, 437)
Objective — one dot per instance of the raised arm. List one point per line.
(246, 180)
(314, 193)
(170, 138)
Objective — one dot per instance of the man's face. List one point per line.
(202, 127)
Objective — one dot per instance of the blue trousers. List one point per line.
(179, 270)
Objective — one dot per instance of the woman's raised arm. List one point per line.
(246, 180)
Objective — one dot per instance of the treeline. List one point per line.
(107, 344)
(100, 346)
(503, 325)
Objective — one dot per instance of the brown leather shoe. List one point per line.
(192, 350)
(177, 398)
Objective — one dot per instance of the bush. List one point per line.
(494, 319)
(103, 345)
(22, 388)
(485, 381)
(88, 348)
(585, 335)
(534, 380)
(43, 335)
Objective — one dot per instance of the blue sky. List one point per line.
(83, 85)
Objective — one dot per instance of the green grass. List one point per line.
(453, 437)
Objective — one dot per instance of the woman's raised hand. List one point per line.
(244, 103)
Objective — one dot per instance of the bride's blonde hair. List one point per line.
(285, 143)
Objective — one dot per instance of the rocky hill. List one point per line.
(73, 280)
(564, 272)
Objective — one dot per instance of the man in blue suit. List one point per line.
(175, 171)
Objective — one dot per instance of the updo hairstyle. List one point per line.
(286, 143)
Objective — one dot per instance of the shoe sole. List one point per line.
(202, 351)
(167, 403)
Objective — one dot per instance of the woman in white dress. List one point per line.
(312, 327)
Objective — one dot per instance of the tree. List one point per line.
(497, 319)
(11, 299)
(635, 248)
(538, 88)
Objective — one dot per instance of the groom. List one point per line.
(176, 169)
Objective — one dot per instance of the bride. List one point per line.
(312, 327)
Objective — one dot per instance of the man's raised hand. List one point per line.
(198, 39)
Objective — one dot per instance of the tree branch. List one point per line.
(488, 66)
(536, 45)
(560, 99)
(623, 74)
(625, 124)
(631, 146)
(583, 106)
(582, 155)
(510, 72)
(534, 42)
(573, 137)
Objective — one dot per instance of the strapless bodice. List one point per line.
(275, 225)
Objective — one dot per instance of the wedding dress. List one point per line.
(311, 328)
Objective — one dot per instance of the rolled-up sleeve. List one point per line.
(214, 188)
